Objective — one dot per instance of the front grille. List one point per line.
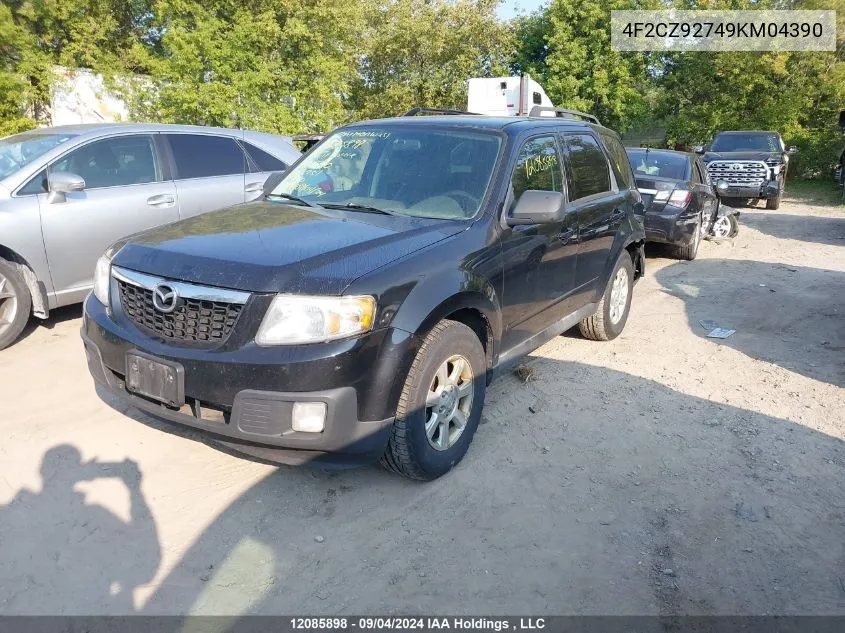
(743, 173)
(193, 320)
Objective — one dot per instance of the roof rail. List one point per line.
(419, 111)
(561, 112)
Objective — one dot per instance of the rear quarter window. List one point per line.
(618, 160)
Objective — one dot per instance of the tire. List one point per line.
(688, 252)
(15, 303)
(734, 225)
(411, 450)
(773, 203)
(600, 326)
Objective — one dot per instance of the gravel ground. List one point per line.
(662, 473)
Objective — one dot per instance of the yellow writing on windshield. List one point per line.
(539, 163)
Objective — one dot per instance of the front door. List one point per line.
(124, 193)
(538, 259)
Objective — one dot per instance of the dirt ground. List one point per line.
(662, 473)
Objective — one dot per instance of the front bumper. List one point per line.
(243, 398)
(767, 189)
(670, 227)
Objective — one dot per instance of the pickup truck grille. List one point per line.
(192, 321)
(744, 173)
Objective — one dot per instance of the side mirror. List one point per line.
(698, 149)
(721, 186)
(60, 183)
(537, 207)
(273, 181)
(792, 149)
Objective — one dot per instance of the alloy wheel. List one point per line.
(8, 304)
(721, 227)
(618, 295)
(448, 402)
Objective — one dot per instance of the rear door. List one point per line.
(599, 205)
(126, 191)
(209, 172)
(260, 165)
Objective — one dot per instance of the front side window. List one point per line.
(113, 162)
(537, 167)
(425, 172)
(588, 169)
(203, 156)
(19, 150)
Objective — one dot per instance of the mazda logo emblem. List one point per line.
(164, 298)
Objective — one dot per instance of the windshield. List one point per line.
(746, 143)
(658, 164)
(425, 172)
(21, 149)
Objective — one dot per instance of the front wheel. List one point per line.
(440, 405)
(15, 303)
(773, 203)
(612, 313)
(725, 226)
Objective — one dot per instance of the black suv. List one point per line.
(752, 164)
(357, 311)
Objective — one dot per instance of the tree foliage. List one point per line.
(421, 52)
(309, 65)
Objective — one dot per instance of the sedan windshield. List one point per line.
(660, 164)
(430, 172)
(21, 149)
(745, 143)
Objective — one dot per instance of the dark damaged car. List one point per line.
(357, 312)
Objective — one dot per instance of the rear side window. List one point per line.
(263, 160)
(619, 161)
(588, 169)
(200, 156)
(537, 167)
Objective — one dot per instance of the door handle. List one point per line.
(160, 200)
(566, 235)
(254, 187)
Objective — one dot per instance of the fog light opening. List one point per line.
(309, 417)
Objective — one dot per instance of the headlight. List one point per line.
(295, 319)
(102, 275)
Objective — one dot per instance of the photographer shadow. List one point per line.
(85, 559)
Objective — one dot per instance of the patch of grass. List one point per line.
(820, 192)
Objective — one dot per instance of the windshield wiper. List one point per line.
(351, 206)
(287, 196)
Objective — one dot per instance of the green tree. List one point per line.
(584, 73)
(274, 65)
(531, 33)
(421, 52)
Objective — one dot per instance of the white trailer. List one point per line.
(506, 96)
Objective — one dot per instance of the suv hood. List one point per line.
(274, 247)
(762, 156)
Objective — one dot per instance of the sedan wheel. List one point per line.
(15, 303)
(721, 227)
